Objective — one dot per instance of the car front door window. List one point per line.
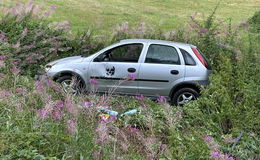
(124, 53)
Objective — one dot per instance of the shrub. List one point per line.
(255, 22)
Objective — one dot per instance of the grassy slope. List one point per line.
(103, 15)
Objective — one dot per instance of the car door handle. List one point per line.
(174, 72)
(131, 70)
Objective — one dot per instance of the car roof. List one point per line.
(178, 44)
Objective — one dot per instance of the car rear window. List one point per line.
(187, 58)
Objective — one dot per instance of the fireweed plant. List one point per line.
(41, 121)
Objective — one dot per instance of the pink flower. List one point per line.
(214, 155)
(229, 140)
(93, 81)
(18, 4)
(139, 97)
(2, 57)
(208, 139)
(131, 76)
(49, 83)
(71, 126)
(25, 31)
(222, 45)
(60, 105)
(56, 115)
(3, 38)
(42, 113)
(163, 147)
(20, 91)
(238, 51)
(4, 94)
(96, 154)
(39, 86)
(161, 99)
(15, 70)
(203, 30)
(2, 64)
(88, 104)
(53, 7)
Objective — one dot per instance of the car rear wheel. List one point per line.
(70, 85)
(184, 96)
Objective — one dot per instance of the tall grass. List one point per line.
(40, 121)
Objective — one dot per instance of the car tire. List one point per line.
(183, 96)
(66, 81)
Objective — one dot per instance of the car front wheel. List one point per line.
(184, 95)
(70, 85)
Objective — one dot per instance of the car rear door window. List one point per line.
(162, 54)
(187, 58)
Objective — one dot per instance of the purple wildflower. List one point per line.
(214, 155)
(133, 130)
(222, 45)
(3, 38)
(208, 139)
(2, 57)
(20, 91)
(18, 4)
(229, 140)
(4, 94)
(39, 86)
(139, 97)
(49, 83)
(2, 64)
(25, 31)
(131, 76)
(15, 70)
(93, 81)
(161, 99)
(96, 154)
(238, 52)
(56, 115)
(88, 104)
(42, 113)
(71, 126)
(163, 147)
(59, 105)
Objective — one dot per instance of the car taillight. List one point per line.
(197, 53)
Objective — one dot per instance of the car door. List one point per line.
(111, 68)
(161, 70)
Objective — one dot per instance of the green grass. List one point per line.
(104, 15)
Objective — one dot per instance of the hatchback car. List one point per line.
(162, 68)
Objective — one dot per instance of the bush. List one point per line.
(255, 22)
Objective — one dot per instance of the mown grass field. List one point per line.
(104, 15)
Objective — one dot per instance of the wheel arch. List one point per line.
(192, 85)
(69, 73)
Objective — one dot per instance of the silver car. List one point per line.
(160, 68)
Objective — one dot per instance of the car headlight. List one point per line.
(49, 66)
